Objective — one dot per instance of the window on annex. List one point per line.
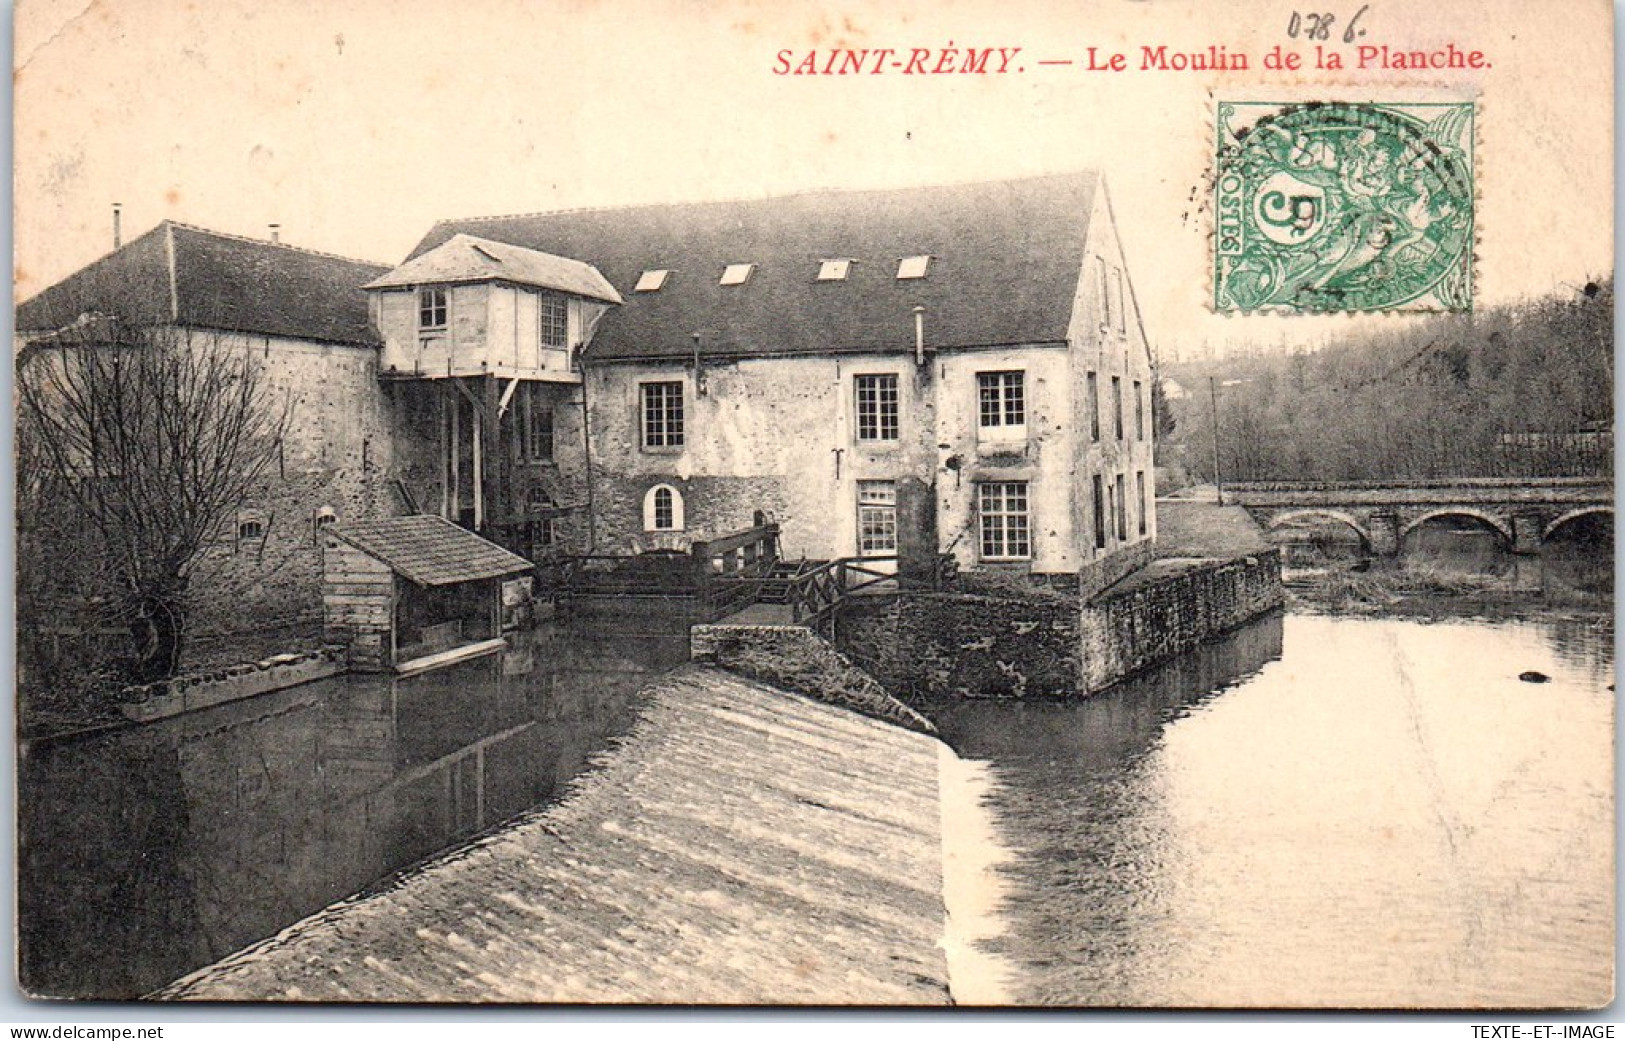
(1002, 514)
(535, 424)
(1117, 404)
(431, 308)
(877, 518)
(1001, 404)
(1122, 511)
(1093, 393)
(1139, 410)
(553, 321)
(542, 523)
(662, 509)
(876, 406)
(662, 410)
(1100, 512)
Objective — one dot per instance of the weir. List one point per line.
(740, 846)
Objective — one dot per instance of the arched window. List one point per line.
(325, 517)
(663, 509)
(250, 526)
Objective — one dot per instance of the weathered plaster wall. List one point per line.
(776, 435)
(338, 456)
(1109, 342)
(1040, 457)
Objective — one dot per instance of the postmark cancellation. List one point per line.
(1343, 206)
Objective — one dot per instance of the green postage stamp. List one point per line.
(1343, 206)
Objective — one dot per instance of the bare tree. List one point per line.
(156, 435)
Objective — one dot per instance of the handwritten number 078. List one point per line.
(1318, 26)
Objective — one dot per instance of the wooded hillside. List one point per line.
(1514, 391)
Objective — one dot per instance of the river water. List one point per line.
(1317, 811)
(151, 852)
(1314, 811)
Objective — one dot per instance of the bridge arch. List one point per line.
(1584, 511)
(1502, 527)
(1286, 517)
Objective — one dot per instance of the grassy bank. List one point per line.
(1423, 591)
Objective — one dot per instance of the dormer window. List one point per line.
(913, 267)
(833, 270)
(651, 281)
(431, 308)
(553, 321)
(736, 274)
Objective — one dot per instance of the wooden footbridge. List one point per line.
(741, 577)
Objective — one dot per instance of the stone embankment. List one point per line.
(741, 845)
(796, 658)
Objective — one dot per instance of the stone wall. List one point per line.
(1170, 607)
(933, 645)
(1094, 578)
(1043, 643)
(795, 658)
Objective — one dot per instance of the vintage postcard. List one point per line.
(1101, 504)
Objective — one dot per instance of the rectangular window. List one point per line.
(1139, 484)
(877, 518)
(1093, 393)
(1122, 512)
(536, 425)
(1100, 513)
(1118, 304)
(553, 321)
(1001, 399)
(662, 414)
(1002, 510)
(1139, 410)
(1105, 294)
(431, 308)
(1117, 404)
(877, 407)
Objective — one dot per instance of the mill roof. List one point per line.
(1005, 260)
(429, 550)
(207, 279)
(467, 258)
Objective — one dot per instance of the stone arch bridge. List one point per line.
(1525, 512)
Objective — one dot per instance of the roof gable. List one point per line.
(1005, 260)
(429, 550)
(206, 279)
(467, 258)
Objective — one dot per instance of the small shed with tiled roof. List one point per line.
(410, 593)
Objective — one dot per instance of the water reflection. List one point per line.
(151, 852)
(1384, 816)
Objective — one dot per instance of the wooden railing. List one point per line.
(815, 594)
(723, 574)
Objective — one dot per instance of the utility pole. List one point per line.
(1213, 396)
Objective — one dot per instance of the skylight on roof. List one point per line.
(651, 280)
(736, 274)
(913, 267)
(833, 270)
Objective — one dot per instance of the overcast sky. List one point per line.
(357, 124)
